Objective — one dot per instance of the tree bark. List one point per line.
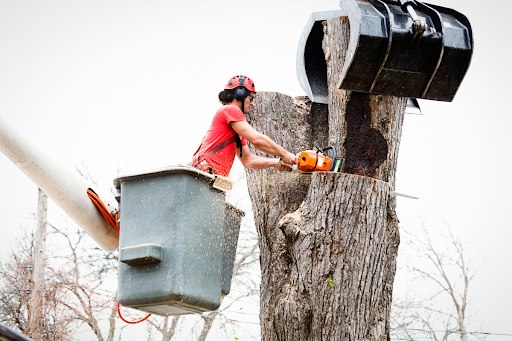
(112, 321)
(328, 242)
(207, 326)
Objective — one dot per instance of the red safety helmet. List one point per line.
(240, 80)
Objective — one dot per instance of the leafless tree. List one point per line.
(83, 272)
(441, 273)
(75, 287)
(162, 326)
(15, 290)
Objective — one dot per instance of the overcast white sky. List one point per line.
(134, 84)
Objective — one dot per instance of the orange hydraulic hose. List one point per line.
(130, 322)
(106, 214)
(112, 221)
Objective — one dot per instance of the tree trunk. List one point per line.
(112, 321)
(167, 332)
(328, 242)
(207, 326)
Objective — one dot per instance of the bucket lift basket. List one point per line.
(402, 48)
(178, 240)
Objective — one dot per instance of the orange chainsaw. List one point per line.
(317, 161)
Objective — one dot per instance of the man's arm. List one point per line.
(262, 142)
(251, 161)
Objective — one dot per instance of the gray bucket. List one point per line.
(232, 219)
(178, 240)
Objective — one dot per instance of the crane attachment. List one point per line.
(402, 48)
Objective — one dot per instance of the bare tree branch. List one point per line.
(444, 268)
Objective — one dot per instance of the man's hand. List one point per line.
(283, 167)
(289, 158)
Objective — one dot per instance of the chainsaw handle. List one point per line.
(333, 156)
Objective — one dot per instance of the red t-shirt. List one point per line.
(220, 130)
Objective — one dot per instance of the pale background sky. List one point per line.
(134, 84)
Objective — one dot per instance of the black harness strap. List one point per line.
(219, 147)
(238, 143)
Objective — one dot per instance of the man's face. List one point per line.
(248, 102)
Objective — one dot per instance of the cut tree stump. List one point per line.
(329, 241)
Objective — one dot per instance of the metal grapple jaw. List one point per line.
(402, 48)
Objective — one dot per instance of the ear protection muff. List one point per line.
(240, 91)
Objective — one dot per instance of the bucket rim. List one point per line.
(236, 209)
(164, 170)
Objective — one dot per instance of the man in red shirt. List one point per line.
(229, 131)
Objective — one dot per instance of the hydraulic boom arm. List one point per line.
(64, 186)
